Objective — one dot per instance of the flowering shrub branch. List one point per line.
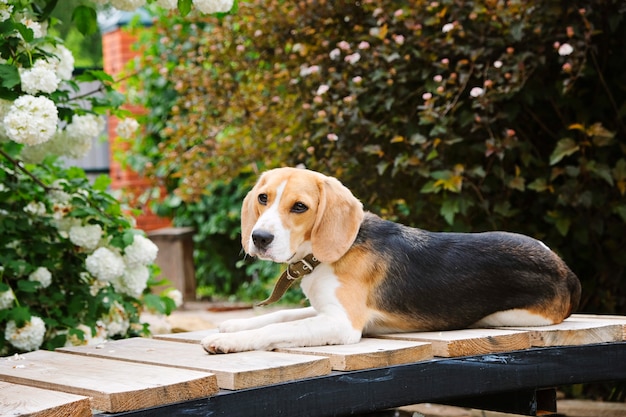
(73, 269)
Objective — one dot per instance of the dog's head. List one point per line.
(292, 212)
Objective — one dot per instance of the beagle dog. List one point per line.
(366, 275)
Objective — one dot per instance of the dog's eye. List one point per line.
(299, 208)
(262, 199)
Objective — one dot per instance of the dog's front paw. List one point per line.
(225, 343)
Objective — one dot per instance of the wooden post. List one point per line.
(175, 258)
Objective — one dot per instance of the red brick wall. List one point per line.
(117, 50)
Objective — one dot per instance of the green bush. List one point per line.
(464, 115)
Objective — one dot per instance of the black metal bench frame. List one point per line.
(520, 382)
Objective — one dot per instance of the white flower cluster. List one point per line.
(89, 336)
(31, 120)
(86, 237)
(73, 142)
(129, 273)
(116, 322)
(26, 338)
(141, 252)
(213, 6)
(6, 299)
(104, 264)
(127, 127)
(41, 275)
(5, 10)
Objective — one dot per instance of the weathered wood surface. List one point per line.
(369, 353)
(133, 374)
(468, 342)
(575, 332)
(113, 385)
(20, 400)
(234, 371)
(603, 318)
(186, 337)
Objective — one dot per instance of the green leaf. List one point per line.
(449, 209)
(539, 185)
(21, 315)
(564, 147)
(28, 286)
(429, 187)
(102, 182)
(9, 76)
(184, 7)
(621, 212)
(562, 225)
(86, 19)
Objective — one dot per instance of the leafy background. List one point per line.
(540, 151)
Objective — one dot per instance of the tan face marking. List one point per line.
(287, 207)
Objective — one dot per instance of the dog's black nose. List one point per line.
(262, 239)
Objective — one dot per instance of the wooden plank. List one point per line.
(113, 385)
(20, 400)
(369, 353)
(573, 332)
(604, 318)
(234, 370)
(186, 337)
(468, 342)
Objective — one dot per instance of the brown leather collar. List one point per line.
(293, 272)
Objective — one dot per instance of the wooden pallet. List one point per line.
(137, 373)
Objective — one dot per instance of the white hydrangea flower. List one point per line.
(81, 133)
(31, 120)
(39, 29)
(177, 296)
(41, 275)
(116, 321)
(63, 60)
(141, 252)
(5, 10)
(167, 4)
(104, 264)
(133, 281)
(6, 299)
(126, 128)
(35, 207)
(87, 236)
(5, 105)
(26, 338)
(213, 6)
(42, 76)
(73, 142)
(89, 338)
(128, 5)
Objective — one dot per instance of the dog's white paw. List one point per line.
(226, 343)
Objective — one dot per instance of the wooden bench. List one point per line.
(513, 370)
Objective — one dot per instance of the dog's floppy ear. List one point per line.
(339, 216)
(249, 214)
